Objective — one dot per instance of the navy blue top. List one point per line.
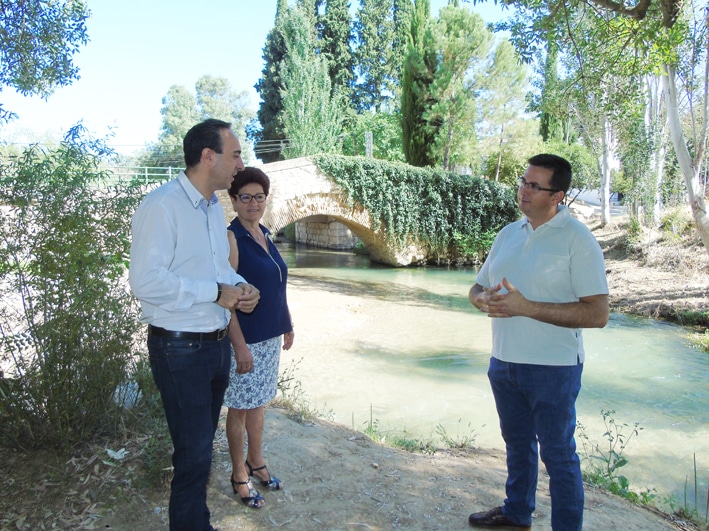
(269, 273)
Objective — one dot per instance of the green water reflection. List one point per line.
(642, 369)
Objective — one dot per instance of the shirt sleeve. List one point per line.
(483, 277)
(588, 270)
(152, 252)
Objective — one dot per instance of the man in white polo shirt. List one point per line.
(543, 281)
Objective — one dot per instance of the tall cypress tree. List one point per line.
(403, 14)
(269, 87)
(311, 116)
(311, 8)
(374, 55)
(335, 45)
(550, 126)
(417, 138)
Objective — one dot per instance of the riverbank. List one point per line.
(336, 478)
(655, 274)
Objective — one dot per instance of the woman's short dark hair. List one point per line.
(249, 175)
(206, 134)
(560, 167)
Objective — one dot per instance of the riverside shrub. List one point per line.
(68, 319)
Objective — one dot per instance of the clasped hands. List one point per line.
(243, 297)
(497, 304)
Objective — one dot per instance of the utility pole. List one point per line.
(368, 144)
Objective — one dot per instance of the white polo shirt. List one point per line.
(560, 261)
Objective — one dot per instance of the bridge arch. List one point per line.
(299, 190)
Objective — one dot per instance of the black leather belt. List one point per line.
(217, 335)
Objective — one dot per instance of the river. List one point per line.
(403, 349)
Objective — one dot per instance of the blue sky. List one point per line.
(138, 49)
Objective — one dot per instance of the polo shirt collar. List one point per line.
(560, 219)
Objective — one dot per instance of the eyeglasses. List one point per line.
(246, 198)
(534, 186)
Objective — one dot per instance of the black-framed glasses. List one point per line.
(534, 186)
(246, 198)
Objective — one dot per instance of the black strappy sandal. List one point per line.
(254, 499)
(273, 482)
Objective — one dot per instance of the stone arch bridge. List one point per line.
(299, 192)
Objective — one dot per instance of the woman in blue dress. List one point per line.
(262, 334)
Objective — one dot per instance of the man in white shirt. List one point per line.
(188, 291)
(543, 281)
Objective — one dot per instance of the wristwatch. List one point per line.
(219, 292)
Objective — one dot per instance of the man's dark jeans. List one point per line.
(537, 409)
(192, 377)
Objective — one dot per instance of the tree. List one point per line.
(657, 32)
(438, 106)
(270, 88)
(37, 42)
(550, 123)
(402, 15)
(689, 151)
(181, 110)
(216, 99)
(385, 128)
(66, 238)
(596, 97)
(311, 115)
(374, 55)
(419, 66)
(179, 113)
(335, 45)
(461, 44)
(507, 162)
(65, 241)
(503, 98)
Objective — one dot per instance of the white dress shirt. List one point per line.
(179, 252)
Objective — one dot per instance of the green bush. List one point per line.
(454, 215)
(512, 166)
(583, 162)
(289, 232)
(676, 223)
(602, 461)
(68, 320)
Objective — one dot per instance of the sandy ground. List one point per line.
(335, 478)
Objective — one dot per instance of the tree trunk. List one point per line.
(605, 192)
(690, 168)
(657, 129)
(499, 155)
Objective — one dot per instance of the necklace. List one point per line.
(258, 236)
(256, 233)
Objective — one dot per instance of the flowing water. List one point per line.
(420, 368)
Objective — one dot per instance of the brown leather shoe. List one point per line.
(493, 518)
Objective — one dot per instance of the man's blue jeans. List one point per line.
(537, 409)
(192, 377)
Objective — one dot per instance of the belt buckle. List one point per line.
(221, 334)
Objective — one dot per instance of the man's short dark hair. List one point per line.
(560, 167)
(206, 134)
(249, 175)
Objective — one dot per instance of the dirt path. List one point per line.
(337, 479)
